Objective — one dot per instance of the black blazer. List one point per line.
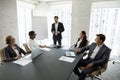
(60, 29)
(10, 53)
(83, 43)
(102, 56)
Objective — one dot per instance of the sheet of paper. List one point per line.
(23, 61)
(70, 53)
(66, 59)
(45, 49)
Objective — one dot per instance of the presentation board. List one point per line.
(39, 25)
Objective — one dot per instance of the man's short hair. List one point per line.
(102, 37)
(31, 33)
(56, 17)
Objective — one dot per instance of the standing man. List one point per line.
(57, 29)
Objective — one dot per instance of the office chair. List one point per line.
(95, 74)
(2, 56)
(27, 48)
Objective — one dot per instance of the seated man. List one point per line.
(81, 42)
(98, 55)
(32, 43)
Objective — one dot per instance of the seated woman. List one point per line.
(12, 51)
(81, 42)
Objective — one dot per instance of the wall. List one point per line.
(80, 18)
(8, 20)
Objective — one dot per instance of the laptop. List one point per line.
(34, 53)
(54, 46)
(73, 48)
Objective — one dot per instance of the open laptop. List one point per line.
(34, 53)
(73, 48)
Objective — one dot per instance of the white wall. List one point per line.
(8, 20)
(80, 18)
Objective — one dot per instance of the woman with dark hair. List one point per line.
(82, 40)
(12, 51)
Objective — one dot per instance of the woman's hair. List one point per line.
(83, 32)
(9, 38)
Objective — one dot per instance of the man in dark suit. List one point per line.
(98, 55)
(57, 29)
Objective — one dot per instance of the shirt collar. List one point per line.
(100, 45)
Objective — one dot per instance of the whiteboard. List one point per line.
(39, 25)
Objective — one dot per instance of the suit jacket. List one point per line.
(102, 56)
(60, 29)
(83, 43)
(10, 53)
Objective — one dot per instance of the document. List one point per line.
(66, 59)
(45, 49)
(23, 61)
(70, 53)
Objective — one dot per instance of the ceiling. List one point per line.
(38, 1)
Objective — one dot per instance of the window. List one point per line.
(24, 11)
(107, 21)
(63, 11)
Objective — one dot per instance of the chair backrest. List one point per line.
(2, 55)
(27, 48)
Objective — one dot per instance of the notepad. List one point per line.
(66, 59)
(45, 49)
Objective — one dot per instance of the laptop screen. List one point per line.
(36, 52)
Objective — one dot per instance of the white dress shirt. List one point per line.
(32, 44)
(78, 43)
(95, 51)
(16, 51)
(56, 26)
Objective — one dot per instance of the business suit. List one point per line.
(101, 58)
(83, 43)
(57, 37)
(10, 54)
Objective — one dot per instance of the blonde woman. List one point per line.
(12, 51)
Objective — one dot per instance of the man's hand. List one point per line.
(77, 51)
(89, 65)
(42, 46)
(53, 32)
(58, 32)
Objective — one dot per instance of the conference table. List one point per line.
(46, 66)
